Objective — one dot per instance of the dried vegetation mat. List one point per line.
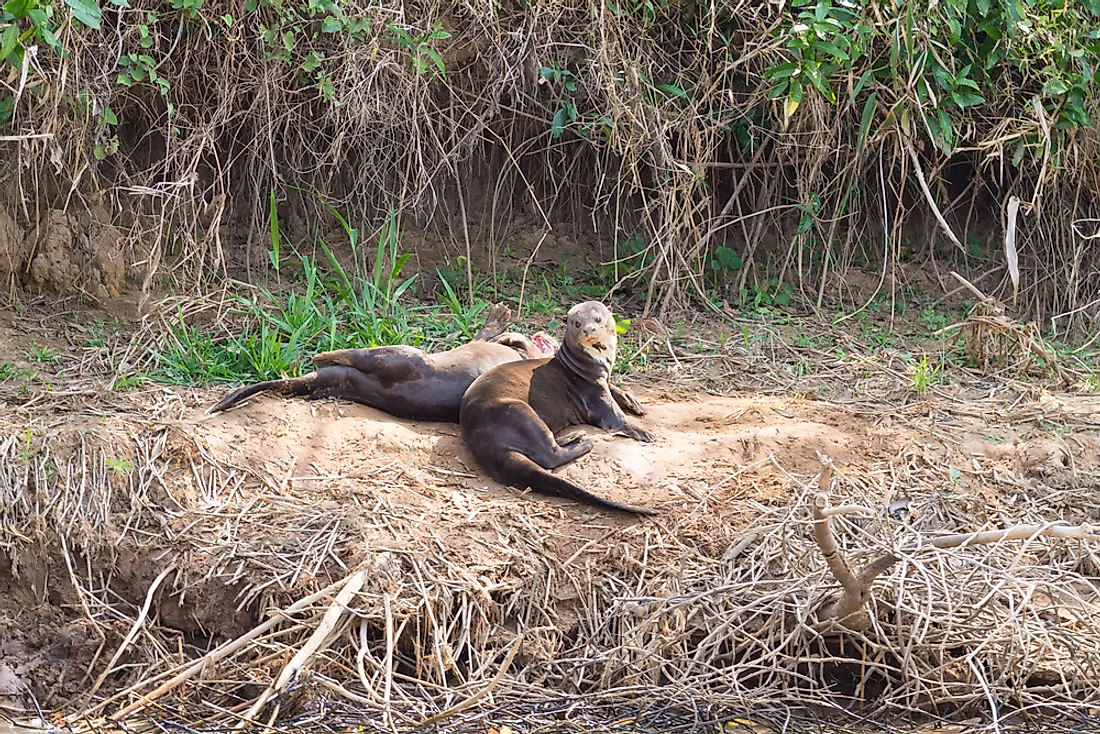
(321, 564)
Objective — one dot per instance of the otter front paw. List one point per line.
(628, 402)
(638, 433)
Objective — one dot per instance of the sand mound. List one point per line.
(699, 444)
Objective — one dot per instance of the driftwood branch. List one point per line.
(138, 624)
(463, 705)
(849, 609)
(190, 670)
(317, 642)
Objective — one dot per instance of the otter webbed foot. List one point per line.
(633, 430)
(627, 401)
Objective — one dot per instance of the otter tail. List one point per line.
(296, 386)
(527, 473)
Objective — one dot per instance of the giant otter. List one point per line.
(510, 414)
(402, 380)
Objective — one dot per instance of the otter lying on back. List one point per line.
(510, 414)
(405, 381)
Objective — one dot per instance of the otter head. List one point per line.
(590, 330)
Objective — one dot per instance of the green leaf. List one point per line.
(1055, 86)
(726, 258)
(947, 133)
(804, 224)
(8, 41)
(833, 49)
(869, 108)
(867, 76)
(331, 25)
(922, 90)
(943, 77)
(273, 220)
(966, 99)
(312, 62)
(19, 8)
(86, 11)
(557, 126)
(109, 116)
(124, 80)
(121, 3)
(782, 298)
(782, 71)
(813, 73)
(673, 90)
(435, 57)
(794, 98)
(42, 24)
(401, 35)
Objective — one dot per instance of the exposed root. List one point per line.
(850, 608)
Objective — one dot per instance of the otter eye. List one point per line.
(577, 324)
(599, 319)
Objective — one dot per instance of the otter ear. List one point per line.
(546, 343)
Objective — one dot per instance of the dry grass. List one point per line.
(462, 154)
(353, 600)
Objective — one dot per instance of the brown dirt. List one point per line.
(78, 251)
(325, 452)
(12, 248)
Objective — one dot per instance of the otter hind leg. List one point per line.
(374, 359)
(521, 429)
(571, 436)
(496, 321)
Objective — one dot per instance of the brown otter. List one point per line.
(510, 414)
(403, 380)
